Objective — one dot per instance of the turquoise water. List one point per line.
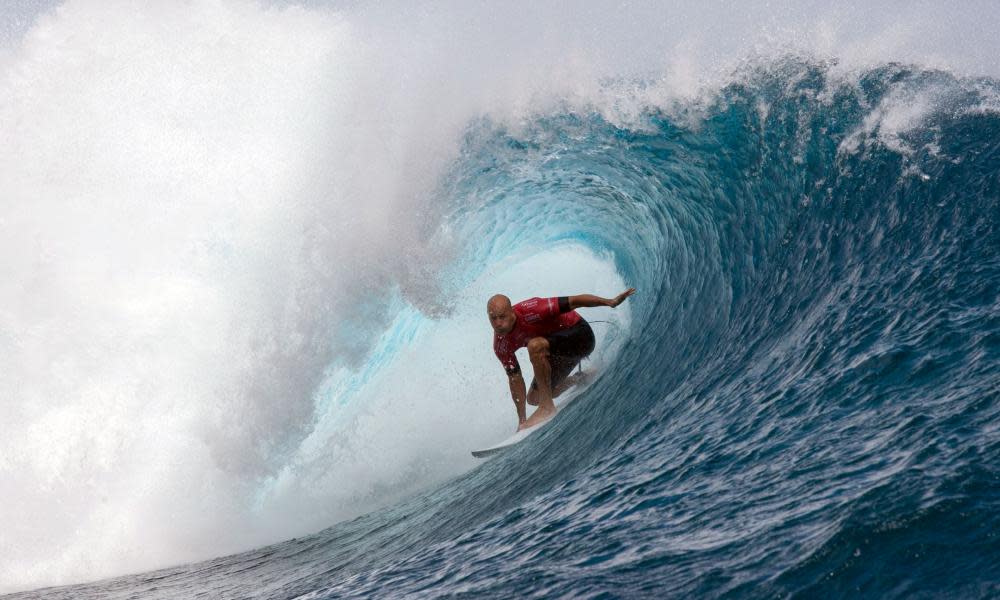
(806, 402)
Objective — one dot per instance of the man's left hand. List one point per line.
(621, 297)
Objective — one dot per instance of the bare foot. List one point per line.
(573, 380)
(538, 417)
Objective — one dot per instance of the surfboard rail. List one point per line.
(509, 442)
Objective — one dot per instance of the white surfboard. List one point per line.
(507, 443)
(518, 437)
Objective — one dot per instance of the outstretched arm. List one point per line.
(589, 300)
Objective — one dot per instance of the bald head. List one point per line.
(501, 313)
(498, 302)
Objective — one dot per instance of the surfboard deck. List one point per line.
(519, 437)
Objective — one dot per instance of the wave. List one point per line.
(807, 376)
(805, 379)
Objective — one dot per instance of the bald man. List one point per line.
(557, 337)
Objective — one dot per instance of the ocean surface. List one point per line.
(802, 400)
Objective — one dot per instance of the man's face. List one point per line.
(502, 318)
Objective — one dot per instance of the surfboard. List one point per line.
(507, 443)
(519, 437)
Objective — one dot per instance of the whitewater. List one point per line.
(246, 248)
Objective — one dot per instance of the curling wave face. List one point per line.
(807, 399)
(802, 398)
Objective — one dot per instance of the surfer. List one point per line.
(557, 337)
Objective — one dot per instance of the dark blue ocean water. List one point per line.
(808, 402)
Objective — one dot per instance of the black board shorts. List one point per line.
(567, 347)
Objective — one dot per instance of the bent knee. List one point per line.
(538, 346)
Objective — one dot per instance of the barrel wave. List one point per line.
(802, 400)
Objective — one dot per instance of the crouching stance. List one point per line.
(557, 337)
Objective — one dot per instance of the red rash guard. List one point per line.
(536, 317)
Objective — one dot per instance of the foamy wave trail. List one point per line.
(803, 400)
